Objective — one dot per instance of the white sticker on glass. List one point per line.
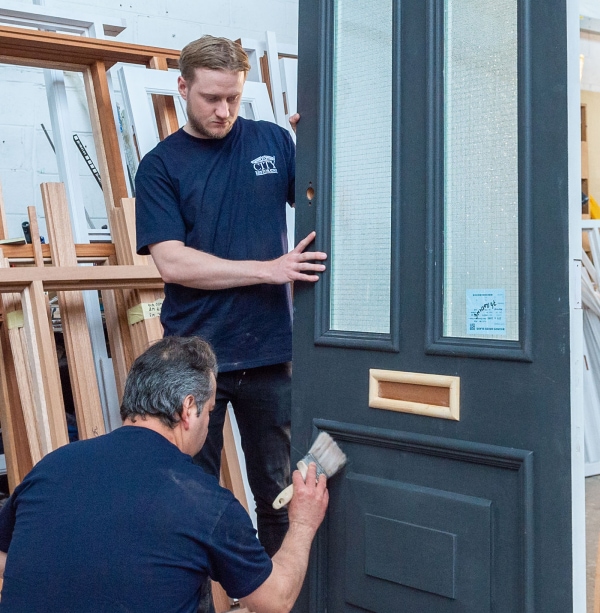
(486, 311)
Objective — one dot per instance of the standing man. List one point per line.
(126, 523)
(210, 203)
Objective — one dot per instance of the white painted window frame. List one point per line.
(255, 50)
(275, 79)
(576, 316)
(54, 19)
(288, 69)
(137, 84)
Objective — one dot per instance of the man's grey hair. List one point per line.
(165, 374)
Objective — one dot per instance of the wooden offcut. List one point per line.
(15, 361)
(58, 419)
(14, 434)
(119, 339)
(71, 278)
(33, 419)
(147, 331)
(45, 382)
(90, 254)
(231, 473)
(16, 447)
(78, 345)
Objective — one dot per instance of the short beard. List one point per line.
(200, 129)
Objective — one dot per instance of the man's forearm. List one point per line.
(192, 268)
(306, 512)
(280, 591)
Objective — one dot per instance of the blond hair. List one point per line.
(214, 53)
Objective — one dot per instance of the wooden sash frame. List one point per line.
(92, 57)
(46, 427)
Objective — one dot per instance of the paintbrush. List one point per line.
(328, 457)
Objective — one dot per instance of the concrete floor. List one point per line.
(592, 532)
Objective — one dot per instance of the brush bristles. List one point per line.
(328, 454)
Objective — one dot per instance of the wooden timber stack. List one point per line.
(32, 411)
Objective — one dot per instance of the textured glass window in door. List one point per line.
(481, 274)
(362, 166)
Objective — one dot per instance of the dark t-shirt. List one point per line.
(124, 522)
(226, 197)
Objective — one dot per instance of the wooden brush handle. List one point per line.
(286, 495)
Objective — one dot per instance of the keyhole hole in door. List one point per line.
(310, 193)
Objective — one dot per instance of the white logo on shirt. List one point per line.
(264, 165)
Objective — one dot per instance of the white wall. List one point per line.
(174, 23)
(26, 158)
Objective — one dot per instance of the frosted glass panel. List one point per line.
(362, 166)
(481, 275)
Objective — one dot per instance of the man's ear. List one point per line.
(189, 405)
(182, 87)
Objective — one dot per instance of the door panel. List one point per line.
(439, 510)
(426, 541)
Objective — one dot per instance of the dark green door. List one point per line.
(432, 160)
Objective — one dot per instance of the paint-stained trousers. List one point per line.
(261, 401)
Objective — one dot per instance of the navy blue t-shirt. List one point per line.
(124, 522)
(226, 197)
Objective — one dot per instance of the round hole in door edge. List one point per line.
(310, 193)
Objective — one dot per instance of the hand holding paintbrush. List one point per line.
(327, 456)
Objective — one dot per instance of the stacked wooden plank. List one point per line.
(31, 340)
(33, 353)
(143, 306)
(32, 410)
(18, 457)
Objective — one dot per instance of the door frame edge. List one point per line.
(576, 313)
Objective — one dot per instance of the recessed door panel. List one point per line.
(428, 546)
(436, 524)
(429, 568)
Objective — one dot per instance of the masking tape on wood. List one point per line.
(14, 319)
(145, 310)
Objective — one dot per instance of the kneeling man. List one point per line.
(127, 522)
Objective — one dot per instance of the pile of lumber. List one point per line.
(32, 411)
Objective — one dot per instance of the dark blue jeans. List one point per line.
(261, 400)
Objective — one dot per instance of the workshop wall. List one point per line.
(26, 156)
